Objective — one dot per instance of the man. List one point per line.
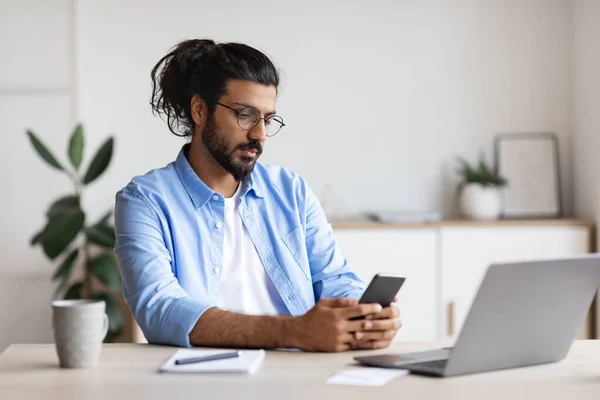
(217, 249)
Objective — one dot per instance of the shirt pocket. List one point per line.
(295, 243)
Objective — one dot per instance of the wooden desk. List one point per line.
(129, 371)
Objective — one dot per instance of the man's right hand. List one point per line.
(327, 326)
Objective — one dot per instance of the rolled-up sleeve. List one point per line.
(164, 311)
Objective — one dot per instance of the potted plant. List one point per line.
(480, 190)
(70, 241)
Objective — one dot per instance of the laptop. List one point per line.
(524, 313)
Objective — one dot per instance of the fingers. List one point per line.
(365, 336)
(344, 342)
(385, 324)
(360, 310)
(342, 347)
(356, 326)
(377, 325)
(342, 302)
(377, 330)
(387, 313)
(372, 345)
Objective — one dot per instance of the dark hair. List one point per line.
(203, 67)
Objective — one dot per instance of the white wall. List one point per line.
(586, 118)
(36, 91)
(378, 97)
(586, 106)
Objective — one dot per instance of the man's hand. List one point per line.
(380, 329)
(326, 327)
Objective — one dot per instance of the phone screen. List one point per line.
(381, 290)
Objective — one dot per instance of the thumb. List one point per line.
(341, 302)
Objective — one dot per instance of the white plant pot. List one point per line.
(481, 202)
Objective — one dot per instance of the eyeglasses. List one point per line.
(247, 118)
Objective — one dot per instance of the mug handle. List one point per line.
(106, 322)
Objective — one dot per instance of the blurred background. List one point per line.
(378, 97)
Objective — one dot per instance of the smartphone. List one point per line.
(382, 289)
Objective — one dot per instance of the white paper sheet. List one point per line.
(366, 376)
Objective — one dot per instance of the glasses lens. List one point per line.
(273, 125)
(248, 118)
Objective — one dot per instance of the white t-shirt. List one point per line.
(245, 287)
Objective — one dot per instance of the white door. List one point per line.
(409, 252)
(466, 252)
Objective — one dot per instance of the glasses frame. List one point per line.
(238, 112)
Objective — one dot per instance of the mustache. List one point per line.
(251, 146)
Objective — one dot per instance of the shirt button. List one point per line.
(215, 197)
(217, 269)
(218, 225)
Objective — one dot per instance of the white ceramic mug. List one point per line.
(80, 327)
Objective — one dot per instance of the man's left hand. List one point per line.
(378, 329)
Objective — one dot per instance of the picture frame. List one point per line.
(530, 163)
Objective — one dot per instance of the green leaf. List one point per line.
(101, 234)
(64, 270)
(482, 173)
(74, 292)
(76, 147)
(64, 205)
(43, 151)
(104, 267)
(59, 288)
(115, 315)
(60, 232)
(112, 336)
(482, 164)
(99, 162)
(105, 217)
(37, 237)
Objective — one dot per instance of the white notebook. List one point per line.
(247, 363)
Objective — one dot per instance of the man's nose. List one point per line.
(259, 132)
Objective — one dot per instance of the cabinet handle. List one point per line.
(450, 318)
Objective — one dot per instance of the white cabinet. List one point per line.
(466, 252)
(409, 252)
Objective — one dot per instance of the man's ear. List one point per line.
(198, 110)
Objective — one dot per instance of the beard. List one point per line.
(217, 146)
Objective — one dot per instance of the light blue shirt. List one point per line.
(170, 248)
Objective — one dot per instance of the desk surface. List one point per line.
(130, 371)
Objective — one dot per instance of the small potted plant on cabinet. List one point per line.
(480, 190)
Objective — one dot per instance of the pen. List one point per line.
(220, 356)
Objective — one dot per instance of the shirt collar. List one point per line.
(197, 189)
(253, 185)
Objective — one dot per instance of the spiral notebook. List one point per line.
(247, 363)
